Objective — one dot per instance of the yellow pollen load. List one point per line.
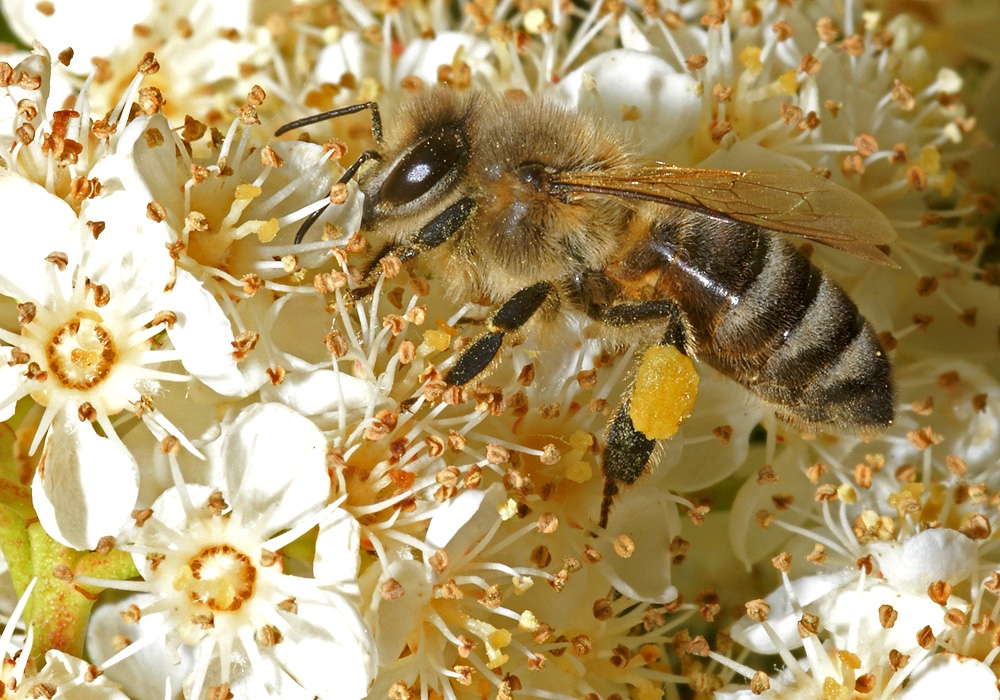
(665, 391)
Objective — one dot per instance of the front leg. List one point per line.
(513, 314)
(434, 233)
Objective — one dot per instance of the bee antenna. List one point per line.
(333, 114)
(344, 179)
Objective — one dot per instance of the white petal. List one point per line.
(204, 338)
(275, 465)
(659, 101)
(66, 667)
(422, 57)
(332, 653)
(267, 681)
(631, 35)
(850, 612)
(940, 554)
(37, 63)
(751, 542)
(39, 223)
(650, 519)
(128, 247)
(462, 521)
(351, 53)
(338, 550)
(143, 167)
(10, 381)
(143, 674)
(744, 155)
(721, 401)
(170, 510)
(86, 486)
(783, 619)
(393, 621)
(949, 675)
(92, 28)
(321, 392)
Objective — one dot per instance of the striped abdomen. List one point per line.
(762, 314)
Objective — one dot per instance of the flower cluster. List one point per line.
(230, 470)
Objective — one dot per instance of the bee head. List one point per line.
(418, 176)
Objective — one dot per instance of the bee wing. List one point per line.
(798, 202)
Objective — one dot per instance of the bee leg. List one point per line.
(434, 233)
(626, 457)
(627, 451)
(513, 314)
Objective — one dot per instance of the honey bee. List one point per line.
(536, 209)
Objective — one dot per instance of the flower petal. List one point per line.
(783, 619)
(321, 392)
(41, 224)
(944, 674)
(62, 26)
(136, 672)
(338, 551)
(933, 555)
(422, 57)
(204, 338)
(66, 668)
(642, 89)
(275, 465)
(650, 520)
(332, 653)
(85, 486)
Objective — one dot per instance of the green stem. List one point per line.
(116, 565)
(59, 608)
(15, 545)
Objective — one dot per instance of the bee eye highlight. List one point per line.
(428, 163)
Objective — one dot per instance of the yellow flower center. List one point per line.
(81, 354)
(220, 577)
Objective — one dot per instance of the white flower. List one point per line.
(859, 633)
(228, 211)
(661, 104)
(96, 287)
(490, 602)
(84, 351)
(214, 581)
(86, 328)
(909, 509)
(208, 51)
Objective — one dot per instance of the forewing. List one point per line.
(798, 202)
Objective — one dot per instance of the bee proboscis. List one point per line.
(537, 209)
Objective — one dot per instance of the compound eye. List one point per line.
(429, 162)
